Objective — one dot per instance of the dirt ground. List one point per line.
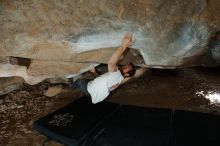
(186, 89)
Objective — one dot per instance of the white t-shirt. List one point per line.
(100, 87)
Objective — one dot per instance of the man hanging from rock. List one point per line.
(100, 88)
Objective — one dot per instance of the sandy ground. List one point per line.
(188, 89)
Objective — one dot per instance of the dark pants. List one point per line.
(82, 85)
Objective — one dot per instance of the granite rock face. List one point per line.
(80, 33)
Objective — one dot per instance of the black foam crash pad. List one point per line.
(134, 126)
(108, 124)
(195, 129)
(72, 124)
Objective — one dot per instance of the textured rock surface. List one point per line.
(9, 70)
(53, 91)
(10, 84)
(167, 33)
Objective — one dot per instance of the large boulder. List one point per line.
(168, 34)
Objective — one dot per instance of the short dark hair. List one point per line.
(132, 72)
